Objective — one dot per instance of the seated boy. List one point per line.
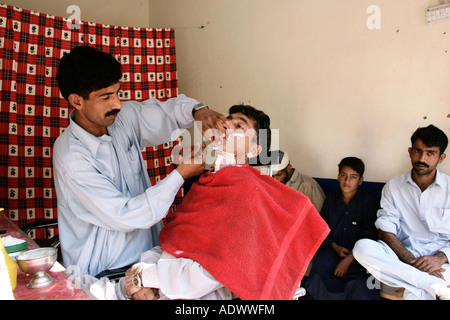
(350, 213)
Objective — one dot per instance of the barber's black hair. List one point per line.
(262, 124)
(354, 163)
(431, 137)
(85, 70)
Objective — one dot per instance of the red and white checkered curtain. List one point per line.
(33, 113)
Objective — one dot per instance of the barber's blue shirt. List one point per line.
(108, 212)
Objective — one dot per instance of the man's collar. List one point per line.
(438, 179)
(90, 141)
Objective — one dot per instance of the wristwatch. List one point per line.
(136, 277)
(197, 107)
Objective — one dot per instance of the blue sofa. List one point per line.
(327, 184)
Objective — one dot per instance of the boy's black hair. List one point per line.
(354, 163)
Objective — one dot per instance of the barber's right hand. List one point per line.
(192, 164)
(211, 123)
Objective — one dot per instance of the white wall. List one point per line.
(132, 13)
(332, 86)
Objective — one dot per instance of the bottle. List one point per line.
(11, 266)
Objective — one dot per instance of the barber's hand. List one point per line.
(146, 294)
(130, 288)
(212, 124)
(192, 164)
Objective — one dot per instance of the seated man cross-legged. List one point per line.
(237, 234)
(414, 224)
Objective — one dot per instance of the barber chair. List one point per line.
(263, 165)
(113, 274)
(51, 242)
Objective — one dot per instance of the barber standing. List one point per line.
(108, 212)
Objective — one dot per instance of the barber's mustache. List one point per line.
(421, 163)
(112, 112)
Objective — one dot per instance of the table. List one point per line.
(62, 289)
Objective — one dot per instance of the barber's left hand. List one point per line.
(130, 288)
(212, 124)
(192, 164)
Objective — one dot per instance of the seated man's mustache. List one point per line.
(112, 112)
(421, 163)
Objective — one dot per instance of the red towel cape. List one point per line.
(252, 233)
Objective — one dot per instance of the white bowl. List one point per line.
(37, 262)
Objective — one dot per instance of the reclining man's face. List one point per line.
(241, 137)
